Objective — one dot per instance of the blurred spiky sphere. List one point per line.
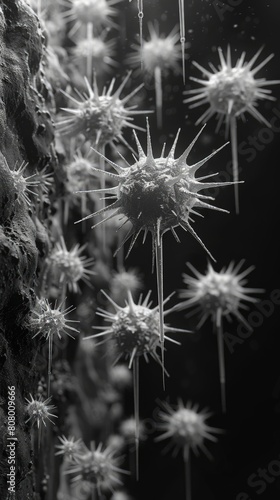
(96, 466)
(185, 426)
(224, 290)
(69, 266)
(69, 447)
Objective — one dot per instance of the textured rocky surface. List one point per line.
(26, 135)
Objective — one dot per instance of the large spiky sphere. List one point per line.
(224, 290)
(134, 329)
(100, 118)
(159, 194)
(231, 90)
(186, 427)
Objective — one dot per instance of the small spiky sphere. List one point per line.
(134, 329)
(70, 266)
(89, 11)
(231, 90)
(159, 194)
(96, 466)
(99, 51)
(69, 447)
(23, 183)
(123, 281)
(49, 322)
(185, 426)
(38, 411)
(158, 52)
(100, 118)
(79, 173)
(127, 429)
(213, 291)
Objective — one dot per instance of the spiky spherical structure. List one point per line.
(38, 411)
(186, 427)
(83, 12)
(159, 51)
(213, 291)
(120, 376)
(97, 467)
(100, 118)
(48, 322)
(231, 90)
(134, 329)
(98, 50)
(158, 194)
(79, 172)
(122, 281)
(69, 447)
(69, 266)
(23, 183)
(127, 430)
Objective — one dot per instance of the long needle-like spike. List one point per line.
(159, 270)
(89, 53)
(182, 35)
(221, 354)
(103, 187)
(158, 89)
(233, 137)
(187, 461)
(136, 411)
(50, 363)
(140, 17)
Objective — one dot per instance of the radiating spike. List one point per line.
(222, 59)
(199, 164)
(122, 85)
(113, 164)
(116, 204)
(228, 57)
(186, 153)
(187, 227)
(173, 147)
(132, 93)
(141, 153)
(149, 143)
(254, 58)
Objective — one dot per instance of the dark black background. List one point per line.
(252, 434)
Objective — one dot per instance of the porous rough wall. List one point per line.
(26, 136)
